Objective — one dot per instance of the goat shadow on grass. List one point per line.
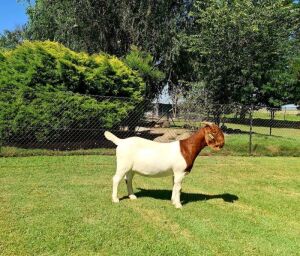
(186, 198)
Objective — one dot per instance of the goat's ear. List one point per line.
(211, 136)
(210, 139)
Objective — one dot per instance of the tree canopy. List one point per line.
(244, 51)
(109, 26)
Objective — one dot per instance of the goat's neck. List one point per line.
(192, 146)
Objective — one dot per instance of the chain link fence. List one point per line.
(51, 122)
(259, 129)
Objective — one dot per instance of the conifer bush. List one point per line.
(46, 89)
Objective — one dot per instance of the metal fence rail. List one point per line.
(63, 123)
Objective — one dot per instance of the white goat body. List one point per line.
(147, 157)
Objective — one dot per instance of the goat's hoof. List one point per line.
(178, 205)
(132, 197)
(115, 200)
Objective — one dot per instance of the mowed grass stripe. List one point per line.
(62, 205)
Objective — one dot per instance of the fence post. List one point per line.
(250, 131)
(272, 119)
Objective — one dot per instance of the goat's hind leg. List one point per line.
(116, 180)
(128, 180)
(121, 171)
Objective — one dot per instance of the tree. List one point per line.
(10, 39)
(112, 26)
(294, 85)
(88, 25)
(142, 62)
(240, 49)
(109, 26)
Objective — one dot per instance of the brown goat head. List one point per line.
(214, 136)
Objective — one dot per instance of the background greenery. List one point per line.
(241, 51)
(40, 84)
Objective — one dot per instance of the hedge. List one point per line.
(47, 89)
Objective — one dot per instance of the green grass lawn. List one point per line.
(283, 142)
(276, 132)
(61, 205)
(289, 115)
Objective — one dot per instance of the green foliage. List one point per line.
(112, 27)
(42, 64)
(295, 80)
(242, 48)
(38, 82)
(10, 39)
(39, 116)
(142, 62)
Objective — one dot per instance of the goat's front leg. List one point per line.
(176, 189)
(128, 179)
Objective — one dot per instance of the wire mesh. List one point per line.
(68, 121)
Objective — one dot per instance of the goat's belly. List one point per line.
(156, 175)
(153, 169)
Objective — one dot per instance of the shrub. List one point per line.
(39, 86)
(38, 64)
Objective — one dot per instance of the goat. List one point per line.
(150, 158)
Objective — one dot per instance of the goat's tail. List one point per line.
(108, 135)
